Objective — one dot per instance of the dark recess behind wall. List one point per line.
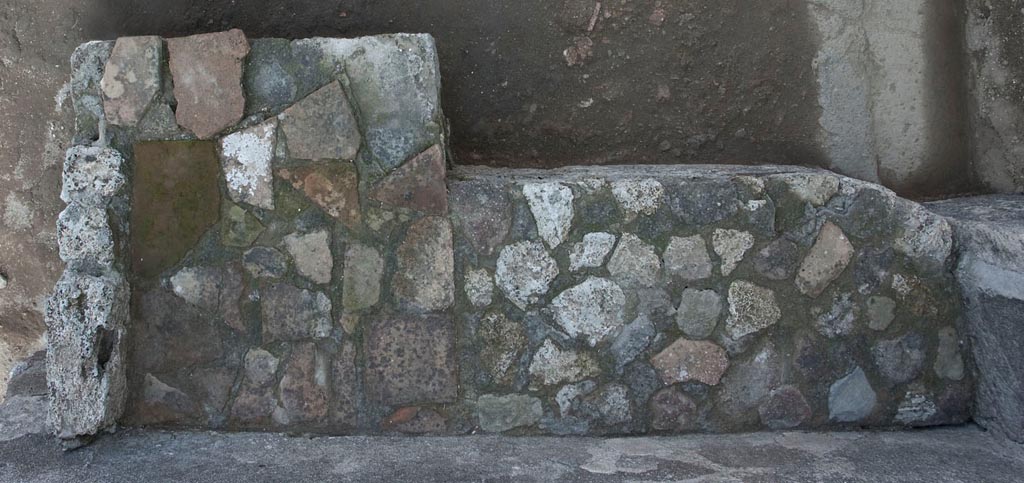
(664, 82)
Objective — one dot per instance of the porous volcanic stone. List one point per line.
(92, 175)
(698, 312)
(634, 263)
(479, 287)
(851, 398)
(827, 259)
(418, 185)
(425, 277)
(731, 246)
(246, 158)
(639, 195)
(364, 268)
(291, 313)
(410, 359)
(321, 126)
(303, 385)
(207, 74)
(311, 253)
(688, 258)
(687, 360)
(751, 309)
(84, 236)
(591, 310)
(552, 365)
(333, 187)
(671, 410)
(552, 208)
(525, 271)
(502, 413)
(131, 79)
(592, 251)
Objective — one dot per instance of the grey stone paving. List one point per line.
(937, 455)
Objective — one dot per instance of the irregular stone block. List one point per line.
(785, 408)
(851, 398)
(92, 175)
(609, 405)
(881, 312)
(84, 236)
(591, 310)
(688, 258)
(836, 319)
(479, 287)
(345, 388)
(525, 272)
(827, 259)
(311, 253)
(634, 263)
(497, 414)
(568, 397)
(207, 74)
(916, 409)
(85, 359)
(552, 208)
(949, 364)
(747, 385)
(321, 126)
(698, 312)
(164, 404)
(418, 185)
(751, 309)
(502, 342)
(687, 360)
(246, 157)
(731, 246)
(483, 214)
(671, 410)
(290, 313)
(173, 189)
(592, 251)
(131, 79)
(425, 275)
(552, 365)
(260, 366)
(215, 289)
(303, 385)
(632, 340)
(87, 66)
(900, 360)
(239, 228)
(778, 260)
(265, 262)
(364, 268)
(334, 188)
(410, 359)
(184, 334)
(639, 196)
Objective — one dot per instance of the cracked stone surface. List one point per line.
(642, 196)
(552, 208)
(851, 398)
(321, 126)
(410, 359)
(291, 313)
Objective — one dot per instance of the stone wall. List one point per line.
(301, 260)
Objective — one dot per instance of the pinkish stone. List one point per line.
(333, 187)
(322, 126)
(131, 79)
(418, 184)
(689, 360)
(827, 259)
(207, 74)
(304, 385)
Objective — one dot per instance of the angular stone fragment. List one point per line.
(688, 258)
(634, 263)
(419, 184)
(92, 175)
(290, 313)
(260, 366)
(303, 385)
(502, 413)
(425, 275)
(751, 309)
(525, 271)
(671, 410)
(815, 189)
(552, 208)
(591, 310)
(778, 260)
(687, 360)
(881, 312)
(949, 364)
(851, 398)
(410, 360)
(321, 126)
(552, 365)
(265, 262)
(502, 342)
(246, 158)
(731, 246)
(609, 405)
(698, 312)
(311, 253)
(568, 396)
(784, 408)
(85, 361)
(334, 188)
(483, 214)
(479, 287)
(364, 268)
(239, 227)
(827, 259)
(632, 340)
(592, 251)
(131, 79)
(207, 74)
(900, 360)
(748, 383)
(639, 196)
(84, 236)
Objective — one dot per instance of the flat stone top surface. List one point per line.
(998, 209)
(940, 455)
(659, 171)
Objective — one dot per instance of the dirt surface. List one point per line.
(558, 82)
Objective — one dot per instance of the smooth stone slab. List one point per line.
(131, 79)
(321, 126)
(207, 74)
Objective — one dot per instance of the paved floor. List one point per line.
(939, 455)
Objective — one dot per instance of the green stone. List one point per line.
(240, 228)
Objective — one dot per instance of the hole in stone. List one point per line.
(106, 340)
